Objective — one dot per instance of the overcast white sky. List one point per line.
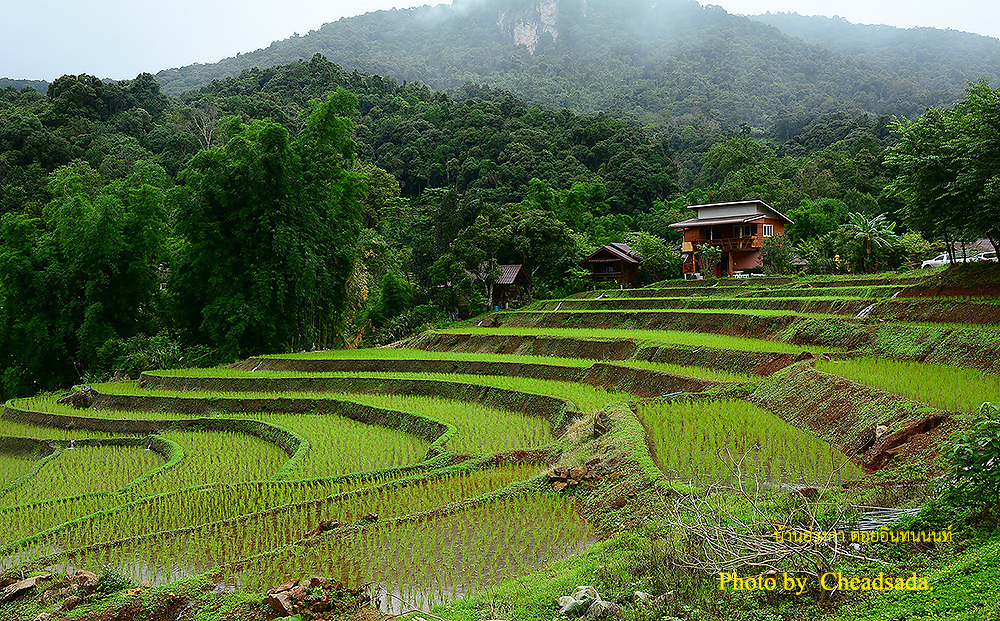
(43, 39)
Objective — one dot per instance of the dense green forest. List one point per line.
(673, 63)
(305, 206)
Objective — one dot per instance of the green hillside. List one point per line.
(651, 62)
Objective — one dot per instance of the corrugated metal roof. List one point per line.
(622, 251)
(717, 221)
(508, 274)
(759, 203)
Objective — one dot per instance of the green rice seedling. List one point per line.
(586, 397)
(168, 555)
(441, 557)
(84, 469)
(22, 521)
(702, 440)
(13, 428)
(13, 466)
(871, 291)
(716, 375)
(958, 389)
(670, 337)
(398, 353)
(481, 429)
(340, 446)
(183, 509)
(215, 457)
(49, 403)
(639, 312)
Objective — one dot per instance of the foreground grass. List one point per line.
(951, 388)
(966, 587)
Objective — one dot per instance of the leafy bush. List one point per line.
(973, 479)
(776, 255)
(710, 257)
(414, 320)
(111, 581)
(144, 353)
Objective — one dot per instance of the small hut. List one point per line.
(512, 287)
(615, 264)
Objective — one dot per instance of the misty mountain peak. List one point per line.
(525, 24)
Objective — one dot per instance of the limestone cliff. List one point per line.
(527, 24)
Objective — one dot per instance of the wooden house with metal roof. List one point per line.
(513, 286)
(739, 228)
(614, 263)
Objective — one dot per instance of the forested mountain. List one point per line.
(38, 85)
(937, 60)
(671, 62)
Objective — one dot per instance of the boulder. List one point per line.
(810, 493)
(71, 602)
(299, 593)
(320, 581)
(585, 476)
(281, 602)
(601, 610)
(322, 527)
(602, 423)
(654, 601)
(577, 604)
(82, 398)
(19, 588)
(86, 579)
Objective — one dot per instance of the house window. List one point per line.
(609, 269)
(744, 230)
(768, 230)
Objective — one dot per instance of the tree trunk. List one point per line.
(951, 248)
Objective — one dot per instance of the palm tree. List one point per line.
(877, 232)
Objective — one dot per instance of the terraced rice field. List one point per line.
(948, 387)
(421, 469)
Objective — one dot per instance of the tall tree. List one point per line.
(269, 227)
(948, 164)
(871, 235)
(82, 273)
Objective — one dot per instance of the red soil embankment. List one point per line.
(846, 415)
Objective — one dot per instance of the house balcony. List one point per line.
(726, 243)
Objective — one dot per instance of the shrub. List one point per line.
(973, 478)
(111, 581)
(776, 255)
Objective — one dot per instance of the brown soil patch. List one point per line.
(898, 443)
(943, 291)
